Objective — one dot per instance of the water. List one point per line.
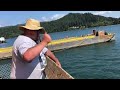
(98, 61)
(8, 44)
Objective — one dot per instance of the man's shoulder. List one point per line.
(24, 38)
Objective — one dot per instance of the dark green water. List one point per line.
(98, 61)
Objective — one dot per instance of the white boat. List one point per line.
(2, 39)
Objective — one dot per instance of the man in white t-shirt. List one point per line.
(28, 56)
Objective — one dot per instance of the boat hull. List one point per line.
(77, 43)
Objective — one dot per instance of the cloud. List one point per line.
(44, 19)
(57, 16)
(54, 17)
(0, 25)
(102, 12)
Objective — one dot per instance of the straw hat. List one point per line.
(32, 24)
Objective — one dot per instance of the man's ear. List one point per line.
(42, 31)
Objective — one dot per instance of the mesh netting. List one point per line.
(5, 67)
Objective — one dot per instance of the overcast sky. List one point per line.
(8, 18)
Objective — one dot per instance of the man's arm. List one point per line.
(31, 53)
(52, 57)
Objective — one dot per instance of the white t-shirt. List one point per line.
(21, 69)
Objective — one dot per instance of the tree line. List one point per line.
(70, 21)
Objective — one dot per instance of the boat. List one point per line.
(71, 42)
(2, 40)
(52, 71)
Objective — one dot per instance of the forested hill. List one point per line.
(69, 22)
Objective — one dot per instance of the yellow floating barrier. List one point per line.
(4, 50)
(71, 39)
(54, 42)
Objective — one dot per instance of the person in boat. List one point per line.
(106, 33)
(94, 32)
(29, 55)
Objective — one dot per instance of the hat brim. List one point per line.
(41, 29)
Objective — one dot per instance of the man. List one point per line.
(28, 57)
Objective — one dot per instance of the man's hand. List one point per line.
(46, 38)
(53, 57)
(59, 65)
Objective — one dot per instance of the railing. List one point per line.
(52, 70)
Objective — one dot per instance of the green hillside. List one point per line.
(69, 22)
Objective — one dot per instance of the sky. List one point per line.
(9, 18)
